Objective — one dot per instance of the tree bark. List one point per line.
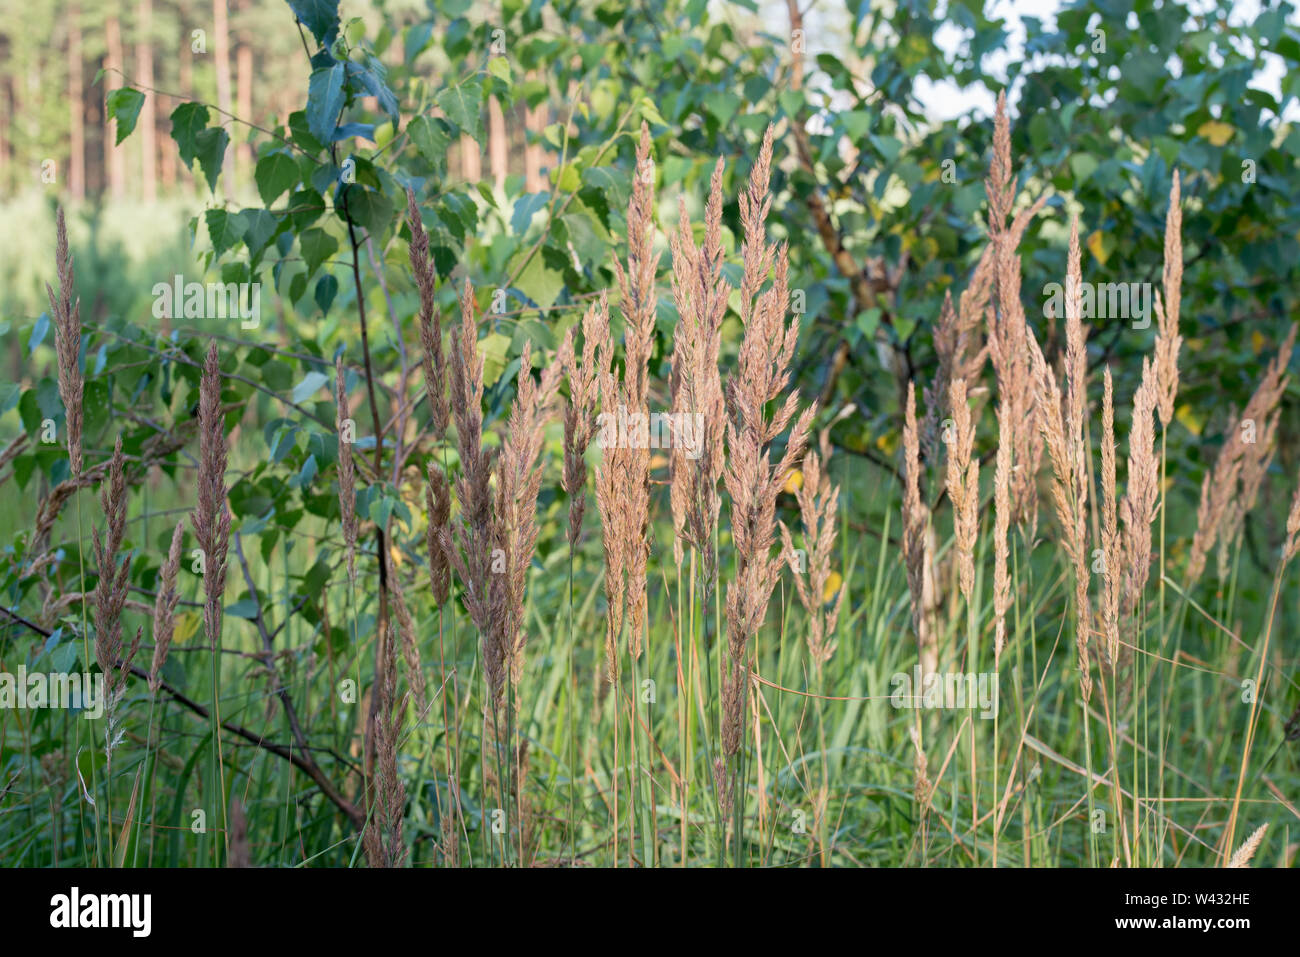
(115, 156)
(148, 122)
(221, 55)
(76, 109)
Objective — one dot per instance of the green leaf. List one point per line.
(321, 17)
(430, 139)
(276, 172)
(327, 288)
(211, 153)
(225, 229)
(260, 226)
(308, 386)
(367, 208)
(463, 106)
(499, 67)
(124, 106)
(325, 99)
(317, 246)
(494, 348)
(188, 120)
(540, 283)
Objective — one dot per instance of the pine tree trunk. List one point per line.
(115, 156)
(76, 110)
(148, 122)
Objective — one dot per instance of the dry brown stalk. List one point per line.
(164, 612)
(1001, 531)
(110, 597)
(1070, 480)
(1168, 341)
(437, 500)
(66, 313)
(345, 427)
(491, 543)
(623, 475)
(700, 294)
(410, 644)
(915, 519)
(1112, 543)
(1219, 488)
(434, 362)
(519, 482)
(579, 412)
(1008, 330)
(963, 480)
(240, 854)
(1292, 546)
(752, 482)
(382, 840)
(1248, 848)
(818, 508)
(467, 543)
(211, 518)
(1138, 509)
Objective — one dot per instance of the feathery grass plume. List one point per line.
(614, 519)
(1292, 546)
(1219, 488)
(1168, 341)
(519, 481)
(915, 518)
(579, 411)
(957, 350)
(240, 854)
(963, 480)
(1248, 848)
(1008, 329)
(623, 474)
(1112, 544)
(1138, 510)
(382, 841)
(468, 542)
(639, 300)
(1259, 422)
(1069, 489)
(410, 645)
(164, 609)
(818, 508)
(347, 472)
(922, 786)
(437, 500)
(434, 362)
(110, 595)
(1001, 531)
(66, 313)
(753, 483)
(211, 518)
(695, 465)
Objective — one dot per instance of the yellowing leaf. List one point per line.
(793, 482)
(187, 626)
(1189, 419)
(396, 554)
(1097, 247)
(1216, 131)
